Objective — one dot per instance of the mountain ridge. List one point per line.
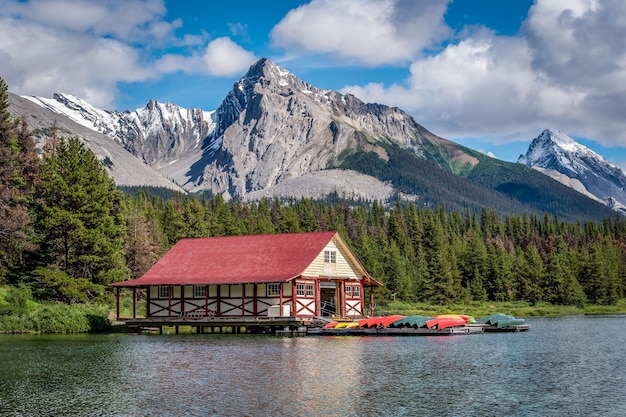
(274, 135)
(125, 168)
(566, 160)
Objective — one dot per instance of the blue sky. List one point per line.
(489, 74)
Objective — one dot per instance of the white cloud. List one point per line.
(88, 47)
(568, 72)
(43, 61)
(79, 46)
(135, 20)
(224, 58)
(372, 32)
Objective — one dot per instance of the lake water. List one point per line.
(571, 366)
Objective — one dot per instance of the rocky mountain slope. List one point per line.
(122, 165)
(561, 157)
(273, 127)
(159, 133)
(276, 135)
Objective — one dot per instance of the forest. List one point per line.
(67, 232)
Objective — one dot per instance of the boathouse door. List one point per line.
(328, 298)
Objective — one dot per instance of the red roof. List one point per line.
(235, 259)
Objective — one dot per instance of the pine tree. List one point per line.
(79, 216)
(19, 172)
(529, 271)
(442, 284)
(142, 244)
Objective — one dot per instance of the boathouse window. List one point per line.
(199, 291)
(330, 256)
(309, 290)
(353, 291)
(164, 291)
(273, 289)
(300, 290)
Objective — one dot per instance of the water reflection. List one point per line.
(570, 366)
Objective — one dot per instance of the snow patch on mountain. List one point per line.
(577, 166)
(163, 135)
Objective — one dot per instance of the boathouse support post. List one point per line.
(134, 302)
(255, 305)
(117, 302)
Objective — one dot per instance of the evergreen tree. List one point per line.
(142, 244)
(79, 216)
(561, 285)
(529, 271)
(19, 171)
(600, 276)
(262, 218)
(440, 285)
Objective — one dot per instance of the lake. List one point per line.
(572, 366)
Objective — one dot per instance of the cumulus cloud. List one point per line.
(88, 47)
(372, 32)
(223, 57)
(42, 61)
(568, 71)
(134, 20)
(79, 46)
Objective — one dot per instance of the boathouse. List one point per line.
(301, 275)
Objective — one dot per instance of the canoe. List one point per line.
(330, 325)
(365, 323)
(501, 320)
(411, 321)
(493, 318)
(342, 325)
(510, 322)
(382, 321)
(468, 319)
(352, 325)
(445, 322)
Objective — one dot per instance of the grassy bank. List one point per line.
(19, 313)
(482, 309)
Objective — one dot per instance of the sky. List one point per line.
(488, 74)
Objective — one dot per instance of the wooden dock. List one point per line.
(390, 331)
(236, 325)
(298, 326)
(420, 331)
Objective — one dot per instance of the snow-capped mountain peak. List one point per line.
(554, 151)
(553, 147)
(158, 133)
(79, 111)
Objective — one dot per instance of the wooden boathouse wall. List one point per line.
(332, 269)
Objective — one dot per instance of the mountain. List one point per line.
(274, 128)
(561, 157)
(274, 135)
(123, 166)
(159, 133)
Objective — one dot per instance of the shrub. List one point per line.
(62, 318)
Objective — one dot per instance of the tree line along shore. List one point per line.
(68, 231)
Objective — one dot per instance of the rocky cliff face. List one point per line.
(125, 168)
(158, 134)
(162, 132)
(273, 127)
(573, 163)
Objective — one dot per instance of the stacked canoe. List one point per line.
(502, 322)
(444, 324)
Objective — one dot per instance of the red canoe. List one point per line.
(444, 322)
(382, 321)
